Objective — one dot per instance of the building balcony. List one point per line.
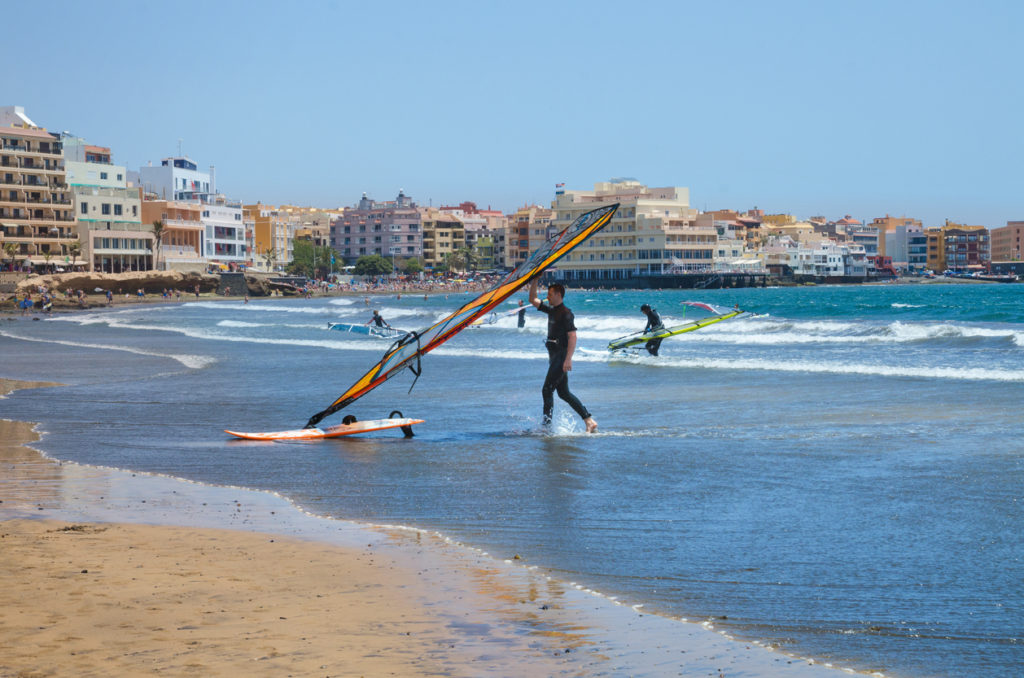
(181, 223)
(23, 150)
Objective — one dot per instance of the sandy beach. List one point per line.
(114, 573)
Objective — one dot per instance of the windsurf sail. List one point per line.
(407, 351)
(719, 313)
(369, 330)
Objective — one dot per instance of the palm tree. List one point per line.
(74, 249)
(469, 257)
(11, 251)
(47, 255)
(270, 256)
(158, 237)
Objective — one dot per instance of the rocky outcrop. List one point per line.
(154, 282)
(121, 283)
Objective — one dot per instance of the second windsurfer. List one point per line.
(653, 325)
(561, 345)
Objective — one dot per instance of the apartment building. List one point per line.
(528, 228)
(443, 234)
(181, 243)
(389, 229)
(36, 220)
(272, 233)
(1006, 242)
(957, 247)
(224, 241)
(485, 233)
(652, 232)
(887, 225)
(107, 209)
(177, 179)
(904, 243)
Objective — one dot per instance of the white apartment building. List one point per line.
(652, 232)
(829, 260)
(177, 179)
(224, 239)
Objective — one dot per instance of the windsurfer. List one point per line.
(377, 319)
(653, 324)
(522, 314)
(561, 345)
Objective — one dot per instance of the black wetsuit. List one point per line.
(379, 320)
(522, 317)
(653, 323)
(560, 324)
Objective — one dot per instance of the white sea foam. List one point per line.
(261, 308)
(196, 362)
(239, 323)
(809, 367)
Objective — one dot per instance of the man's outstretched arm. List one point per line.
(533, 293)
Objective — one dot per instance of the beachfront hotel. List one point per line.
(36, 220)
(652, 232)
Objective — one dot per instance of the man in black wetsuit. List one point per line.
(522, 314)
(561, 344)
(653, 323)
(378, 319)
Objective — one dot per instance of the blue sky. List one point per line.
(866, 108)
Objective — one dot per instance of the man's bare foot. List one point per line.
(591, 425)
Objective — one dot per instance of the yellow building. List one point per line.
(36, 220)
(778, 219)
(957, 247)
(443, 233)
(272, 231)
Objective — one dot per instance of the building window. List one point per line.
(135, 210)
(120, 177)
(103, 175)
(85, 208)
(105, 208)
(117, 210)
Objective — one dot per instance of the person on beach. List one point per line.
(561, 344)
(522, 314)
(110, 298)
(653, 324)
(378, 319)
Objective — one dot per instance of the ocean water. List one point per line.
(840, 476)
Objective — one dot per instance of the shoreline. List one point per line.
(476, 615)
